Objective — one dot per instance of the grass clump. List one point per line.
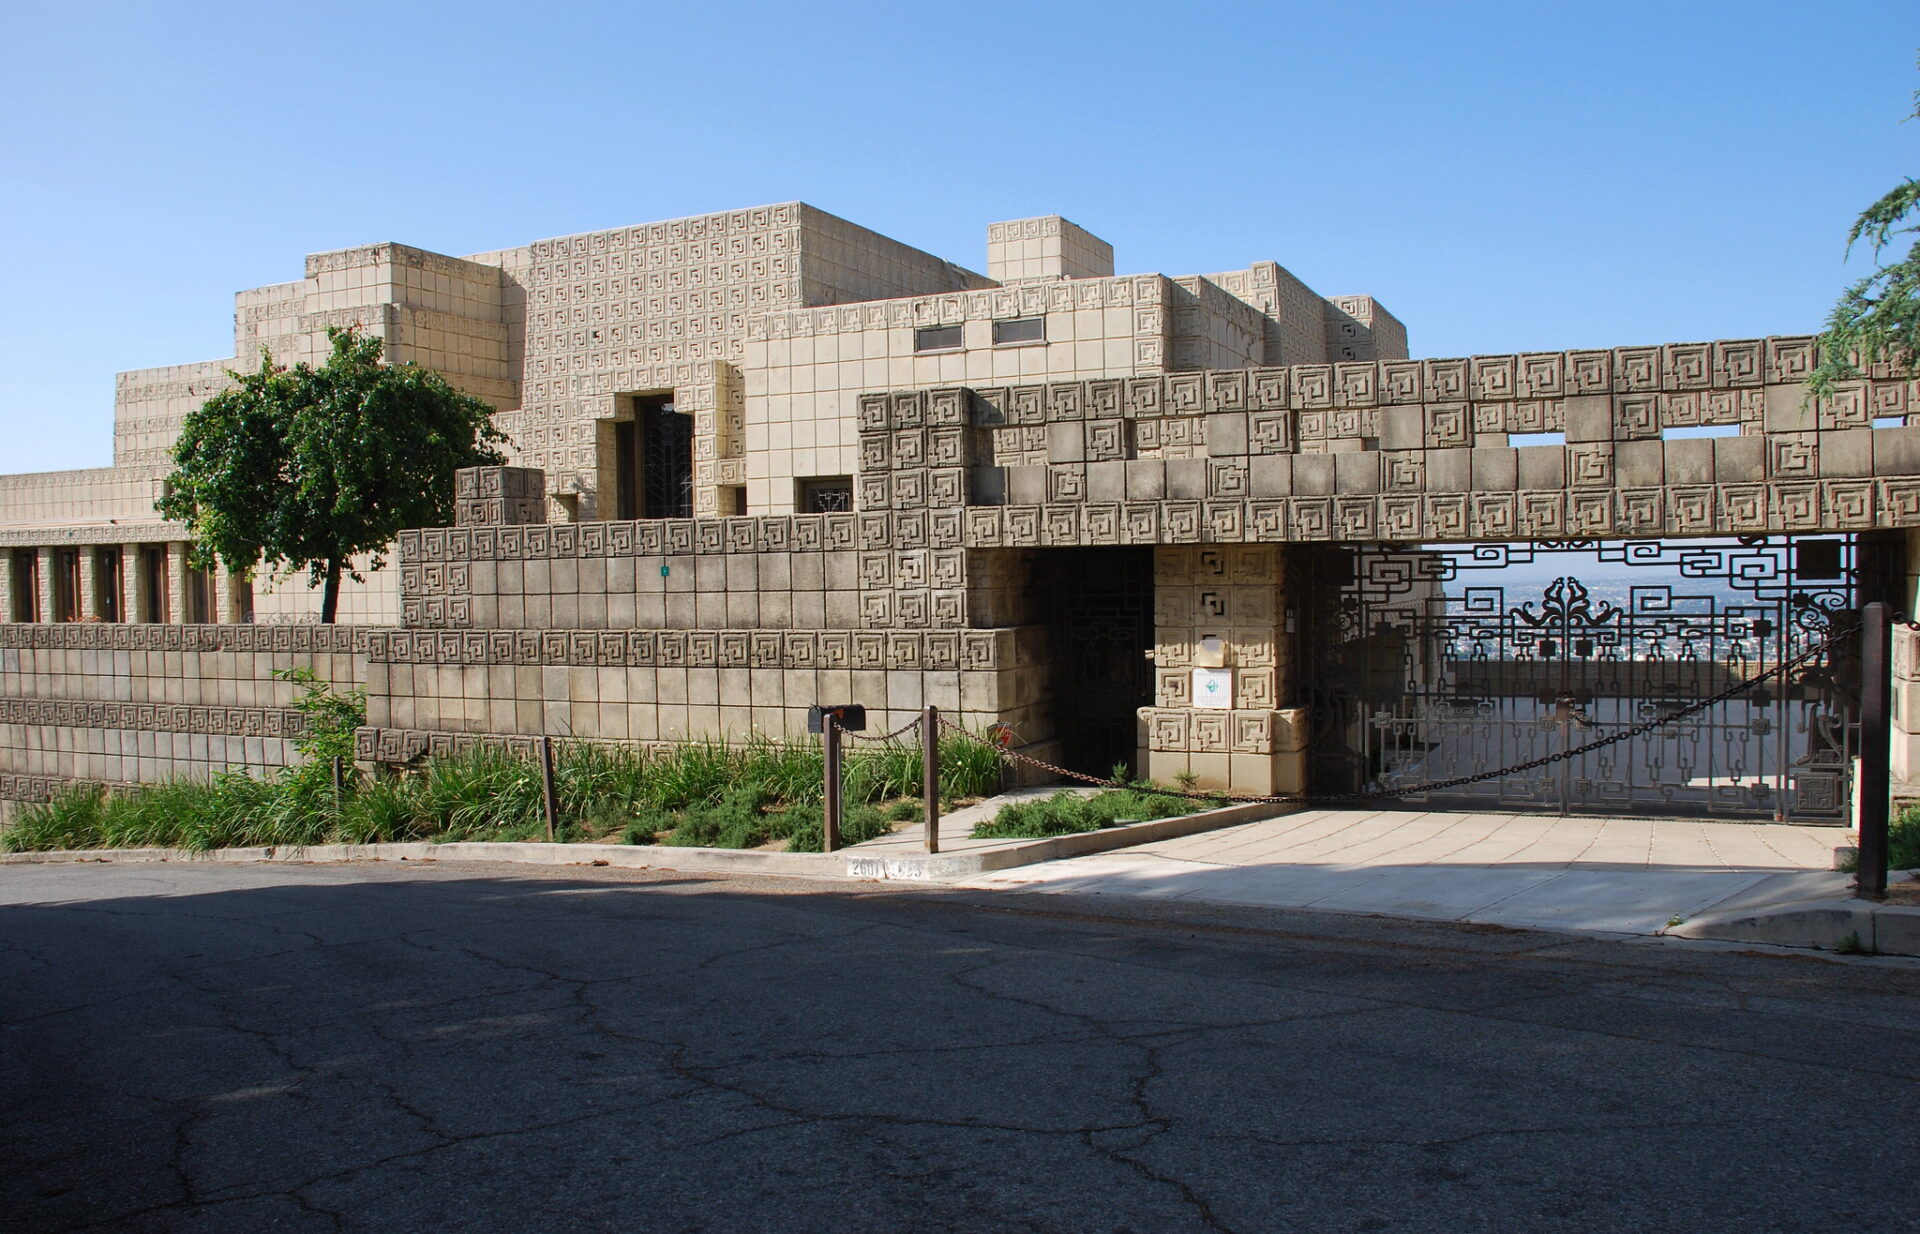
(699, 793)
(1066, 813)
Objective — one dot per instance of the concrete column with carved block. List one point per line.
(1222, 666)
(49, 563)
(133, 583)
(7, 611)
(87, 603)
(177, 608)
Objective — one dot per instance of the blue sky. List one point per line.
(1502, 176)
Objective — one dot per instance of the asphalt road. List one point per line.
(424, 1048)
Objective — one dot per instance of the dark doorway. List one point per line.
(654, 457)
(1098, 606)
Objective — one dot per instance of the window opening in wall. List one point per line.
(25, 603)
(107, 580)
(733, 499)
(199, 589)
(825, 494)
(66, 584)
(1700, 430)
(653, 460)
(1020, 330)
(938, 338)
(154, 604)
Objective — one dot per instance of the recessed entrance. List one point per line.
(653, 452)
(1097, 604)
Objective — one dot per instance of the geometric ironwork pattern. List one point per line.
(1437, 662)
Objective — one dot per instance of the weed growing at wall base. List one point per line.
(703, 793)
(1067, 813)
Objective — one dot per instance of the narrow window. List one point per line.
(826, 494)
(938, 338)
(26, 585)
(66, 584)
(108, 581)
(199, 597)
(1020, 330)
(153, 603)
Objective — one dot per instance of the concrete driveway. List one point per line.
(1618, 875)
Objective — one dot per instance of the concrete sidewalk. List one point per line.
(1615, 875)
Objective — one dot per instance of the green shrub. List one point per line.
(735, 821)
(1066, 813)
(806, 827)
(1903, 840)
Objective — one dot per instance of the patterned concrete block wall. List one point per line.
(666, 630)
(1408, 450)
(144, 703)
(1223, 608)
(432, 690)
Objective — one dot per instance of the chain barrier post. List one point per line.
(830, 800)
(930, 774)
(549, 795)
(1870, 880)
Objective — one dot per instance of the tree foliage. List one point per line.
(306, 467)
(1878, 318)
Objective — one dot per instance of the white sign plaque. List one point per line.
(1213, 687)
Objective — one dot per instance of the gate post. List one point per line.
(1870, 881)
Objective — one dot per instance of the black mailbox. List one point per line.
(847, 717)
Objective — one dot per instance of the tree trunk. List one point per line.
(330, 595)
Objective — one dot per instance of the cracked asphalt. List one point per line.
(419, 1047)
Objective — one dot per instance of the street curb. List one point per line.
(1828, 923)
(926, 867)
(849, 864)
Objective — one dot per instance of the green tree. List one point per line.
(304, 467)
(1878, 318)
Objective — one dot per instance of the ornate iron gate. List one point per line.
(1421, 664)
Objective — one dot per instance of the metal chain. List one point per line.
(1626, 734)
(908, 727)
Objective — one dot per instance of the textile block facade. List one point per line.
(766, 457)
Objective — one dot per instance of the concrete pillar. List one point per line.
(1905, 739)
(133, 565)
(48, 564)
(221, 610)
(6, 585)
(1223, 666)
(87, 603)
(177, 611)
